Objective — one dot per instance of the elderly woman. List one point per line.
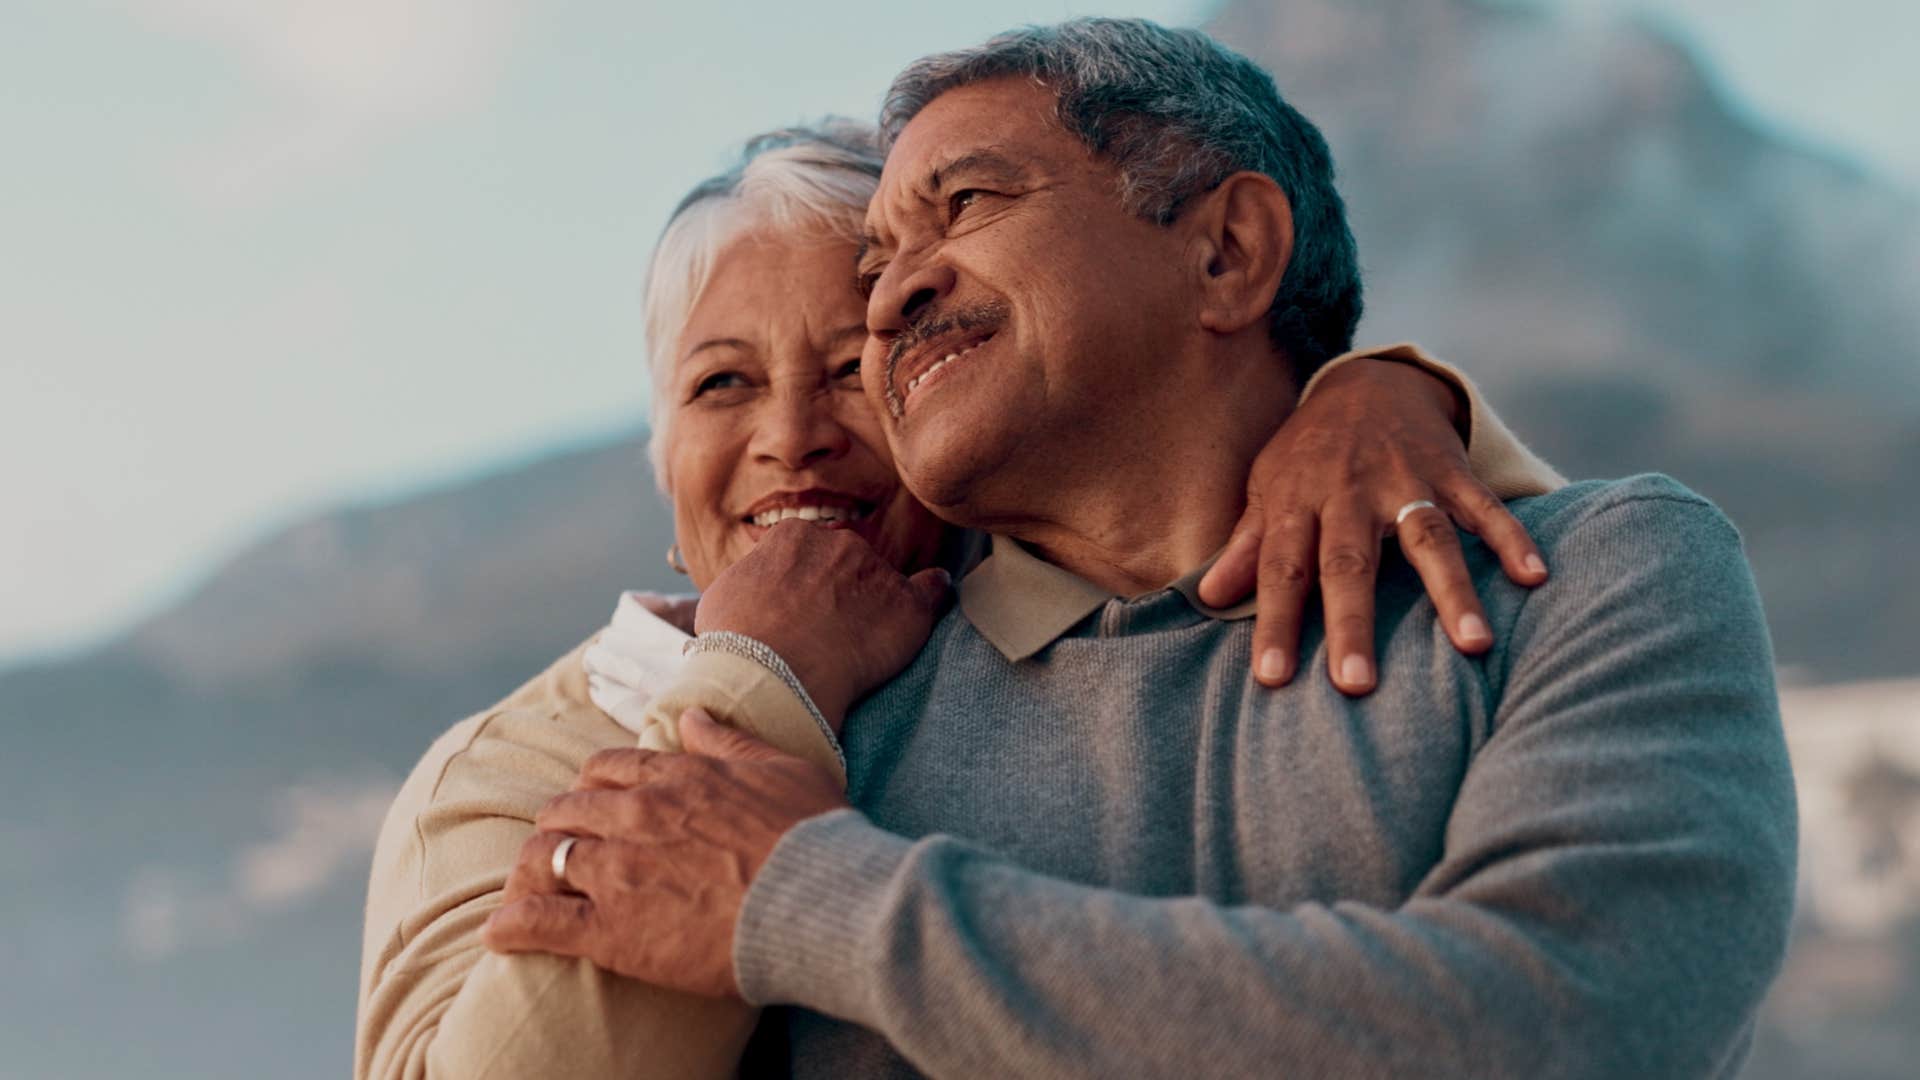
(755, 331)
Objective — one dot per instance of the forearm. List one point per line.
(435, 1002)
(467, 1012)
(1497, 456)
(971, 966)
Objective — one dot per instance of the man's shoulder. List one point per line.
(1644, 512)
(1642, 571)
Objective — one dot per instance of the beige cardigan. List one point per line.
(435, 1003)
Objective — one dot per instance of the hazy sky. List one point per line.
(264, 255)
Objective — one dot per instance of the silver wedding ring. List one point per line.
(1417, 504)
(560, 853)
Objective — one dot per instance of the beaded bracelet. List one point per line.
(749, 648)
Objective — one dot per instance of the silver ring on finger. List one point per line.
(1400, 518)
(560, 853)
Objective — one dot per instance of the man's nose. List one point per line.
(800, 428)
(902, 295)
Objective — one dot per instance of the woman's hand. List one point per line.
(841, 617)
(1375, 437)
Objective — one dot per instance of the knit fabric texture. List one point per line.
(1572, 856)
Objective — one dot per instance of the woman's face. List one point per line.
(768, 420)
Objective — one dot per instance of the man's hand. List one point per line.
(1375, 436)
(842, 618)
(666, 846)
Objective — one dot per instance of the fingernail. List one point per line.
(1534, 565)
(1355, 671)
(1473, 629)
(1273, 666)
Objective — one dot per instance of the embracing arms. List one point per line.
(433, 1003)
(1612, 897)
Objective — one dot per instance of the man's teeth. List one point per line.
(808, 513)
(942, 362)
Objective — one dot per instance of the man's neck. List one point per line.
(1136, 504)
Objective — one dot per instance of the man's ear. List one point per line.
(1242, 244)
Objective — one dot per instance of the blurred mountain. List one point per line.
(1639, 279)
(183, 892)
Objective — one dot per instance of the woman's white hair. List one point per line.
(803, 183)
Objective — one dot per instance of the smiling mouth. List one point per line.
(941, 366)
(938, 342)
(769, 518)
(830, 509)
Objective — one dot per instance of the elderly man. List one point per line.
(1082, 840)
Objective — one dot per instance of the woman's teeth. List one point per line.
(808, 513)
(942, 362)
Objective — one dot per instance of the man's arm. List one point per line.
(1613, 898)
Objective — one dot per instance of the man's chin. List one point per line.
(948, 474)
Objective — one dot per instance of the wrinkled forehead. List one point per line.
(996, 132)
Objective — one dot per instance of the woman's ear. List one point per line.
(1242, 247)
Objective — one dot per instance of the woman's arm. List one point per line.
(434, 1002)
(1376, 431)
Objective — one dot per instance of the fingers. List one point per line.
(532, 873)
(933, 586)
(1237, 569)
(1285, 569)
(591, 812)
(1349, 564)
(541, 923)
(1430, 542)
(700, 733)
(1479, 511)
(623, 767)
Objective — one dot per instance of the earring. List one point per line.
(673, 558)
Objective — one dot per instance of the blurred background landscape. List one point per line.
(321, 381)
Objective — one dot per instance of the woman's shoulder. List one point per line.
(513, 755)
(473, 794)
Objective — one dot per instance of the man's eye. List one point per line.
(719, 380)
(864, 283)
(960, 200)
(848, 370)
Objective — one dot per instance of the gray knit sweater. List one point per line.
(1573, 856)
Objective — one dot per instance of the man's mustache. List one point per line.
(930, 324)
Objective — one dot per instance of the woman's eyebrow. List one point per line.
(718, 343)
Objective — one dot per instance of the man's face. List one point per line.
(1018, 314)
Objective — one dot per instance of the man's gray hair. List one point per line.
(798, 183)
(1178, 113)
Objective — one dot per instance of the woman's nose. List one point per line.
(800, 428)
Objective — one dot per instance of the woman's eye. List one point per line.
(719, 380)
(848, 370)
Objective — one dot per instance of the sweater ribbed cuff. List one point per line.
(808, 928)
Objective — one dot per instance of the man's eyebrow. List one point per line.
(990, 165)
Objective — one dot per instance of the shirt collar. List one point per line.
(1021, 603)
